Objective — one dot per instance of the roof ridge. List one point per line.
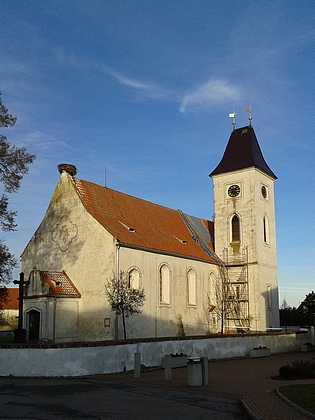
(125, 194)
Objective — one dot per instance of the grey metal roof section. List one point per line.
(200, 228)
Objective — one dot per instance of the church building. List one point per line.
(199, 276)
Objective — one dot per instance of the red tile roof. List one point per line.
(138, 223)
(59, 283)
(12, 302)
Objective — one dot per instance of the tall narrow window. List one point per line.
(134, 279)
(211, 291)
(164, 285)
(266, 229)
(212, 281)
(191, 287)
(236, 236)
(269, 297)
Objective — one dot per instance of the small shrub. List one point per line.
(300, 369)
(303, 369)
(285, 371)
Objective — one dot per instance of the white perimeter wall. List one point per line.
(80, 361)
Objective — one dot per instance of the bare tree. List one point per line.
(219, 302)
(216, 302)
(123, 298)
(14, 163)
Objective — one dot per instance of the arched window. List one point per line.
(191, 287)
(214, 297)
(266, 229)
(212, 289)
(134, 278)
(165, 298)
(235, 226)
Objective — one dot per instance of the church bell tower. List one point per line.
(244, 231)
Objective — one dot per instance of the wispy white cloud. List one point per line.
(148, 89)
(211, 93)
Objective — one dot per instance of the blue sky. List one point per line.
(137, 94)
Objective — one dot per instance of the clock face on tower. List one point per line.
(234, 190)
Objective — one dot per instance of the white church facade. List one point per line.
(199, 276)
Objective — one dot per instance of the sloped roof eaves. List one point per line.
(156, 228)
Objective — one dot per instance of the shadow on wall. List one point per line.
(73, 323)
(70, 324)
(58, 234)
(271, 308)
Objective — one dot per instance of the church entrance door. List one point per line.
(33, 326)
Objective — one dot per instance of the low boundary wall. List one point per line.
(80, 359)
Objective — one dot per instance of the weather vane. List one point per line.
(232, 115)
(249, 110)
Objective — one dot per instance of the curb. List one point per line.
(249, 410)
(296, 407)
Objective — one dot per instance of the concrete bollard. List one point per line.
(168, 368)
(205, 375)
(136, 371)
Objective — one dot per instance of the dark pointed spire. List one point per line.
(242, 151)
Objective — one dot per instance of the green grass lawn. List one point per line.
(301, 395)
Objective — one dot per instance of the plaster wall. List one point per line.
(178, 317)
(251, 208)
(89, 255)
(83, 249)
(8, 319)
(80, 361)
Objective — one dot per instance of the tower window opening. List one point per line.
(266, 229)
(236, 237)
(269, 302)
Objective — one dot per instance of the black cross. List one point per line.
(20, 333)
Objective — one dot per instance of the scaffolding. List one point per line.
(234, 277)
(232, 298)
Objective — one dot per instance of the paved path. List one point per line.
(120, 396)
(96, 399)
(248, 379)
